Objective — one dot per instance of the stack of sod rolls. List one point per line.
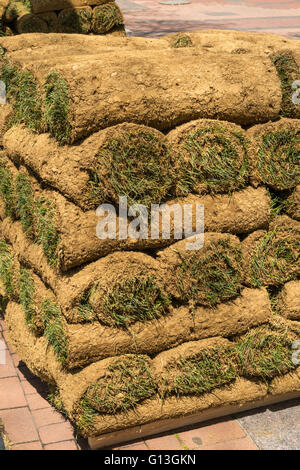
(63, 16)
(130, 331)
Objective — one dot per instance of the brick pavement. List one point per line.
(152, 18)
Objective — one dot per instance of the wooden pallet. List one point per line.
(157, 427)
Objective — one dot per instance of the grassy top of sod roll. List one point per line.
(126, 302)
(134, 163)
(211, 158)
(126, 383)
(265, 353)
(22, 94)
(203, 372)
(56, 107)
(278, 160)
(106, 17)
(212, 278)
(275, 259)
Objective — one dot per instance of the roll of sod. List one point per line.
(30, 23)
(265, 352)
(208, 276)
(23, 96)
(127, 381)
(197, 367)
(209, 157)
(133, 290)
(106, 17)
(275, 149)
(75, 20)
(16, 9)
(51, 19)
(70, 119)
(53, 48)
(41, 6)
(271, 258)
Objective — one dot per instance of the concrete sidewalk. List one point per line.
(153, 18)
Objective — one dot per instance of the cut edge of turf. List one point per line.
(52, 320)
(204, 171)
(204, 281)
(288, 71)
(47, 234)
(56, 107)
(201, 373)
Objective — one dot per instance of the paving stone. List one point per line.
(165, 442)
(7, 369)
(56, 433)
(66, 445)
(19, 425)
(37, 402)
(28, 446)
(34, 386)
(47, 416)
(140, 445)
(236, 444)
(211, 433)
(11, 393)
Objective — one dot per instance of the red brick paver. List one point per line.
(29, 446)
(212, 434)
(19, 425)
(56, 433)
(11, 393)
(170, 442)
(47, 416)
(37, 402)
(66, 445)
